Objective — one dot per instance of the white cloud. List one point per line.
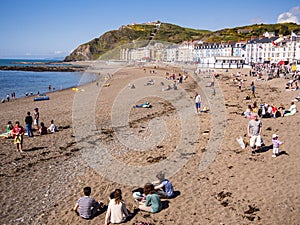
(295, 10)
(289, 17)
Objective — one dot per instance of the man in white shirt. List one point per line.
(197, 102)
(52, 127)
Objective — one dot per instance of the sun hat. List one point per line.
(274, 136)
(160, 175)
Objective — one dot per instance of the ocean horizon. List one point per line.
(24, 83)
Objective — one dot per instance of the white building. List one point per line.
(273, 50)
(267, 49)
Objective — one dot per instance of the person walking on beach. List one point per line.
(36, 118)
(28, 122)
(197, 102)
(254, 132)
(7, 98)
(276, 144)
(240, 85)
(18, 132)
(86, 206)
(253, 89)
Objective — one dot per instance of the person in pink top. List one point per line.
(276, 144)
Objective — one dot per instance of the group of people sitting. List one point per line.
(9, 129)
(270, 111)
(17, 132)
(292, 85)
(150, 201)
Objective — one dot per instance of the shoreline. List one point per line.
(82, 68)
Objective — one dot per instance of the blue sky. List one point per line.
(53, 28)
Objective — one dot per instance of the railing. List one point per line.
(222, 65)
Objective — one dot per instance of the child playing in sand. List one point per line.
(163, 186)
(87, 207)
(152, 203)
(276, 144)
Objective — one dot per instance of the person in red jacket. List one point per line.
(18, 132)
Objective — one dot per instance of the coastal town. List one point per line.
(266, 49)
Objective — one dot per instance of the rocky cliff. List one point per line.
(126, 34)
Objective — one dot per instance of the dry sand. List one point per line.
(42, 186)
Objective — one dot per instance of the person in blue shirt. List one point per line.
(163, 186)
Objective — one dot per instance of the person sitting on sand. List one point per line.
(8, 128)
(116, 211)
(168, 88)
(292, 110)
(52, 127)
(297, 99)
(43, 129)
(295, 86)
(152, 203)
(163, 186)
(281, 109)
(144, 105)
(86, 206)
(248, 111)
(18, 131)
(275, 112)
(254, 107)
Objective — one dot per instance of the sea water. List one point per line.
(26, 82)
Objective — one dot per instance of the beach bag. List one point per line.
(241, 142)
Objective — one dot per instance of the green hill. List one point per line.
(165, 32)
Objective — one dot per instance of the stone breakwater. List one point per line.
(45, 68)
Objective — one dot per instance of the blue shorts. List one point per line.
(198, 105)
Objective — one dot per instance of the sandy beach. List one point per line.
(217, 181)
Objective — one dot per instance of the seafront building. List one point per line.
(265, 49)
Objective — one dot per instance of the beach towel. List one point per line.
(4, 135)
